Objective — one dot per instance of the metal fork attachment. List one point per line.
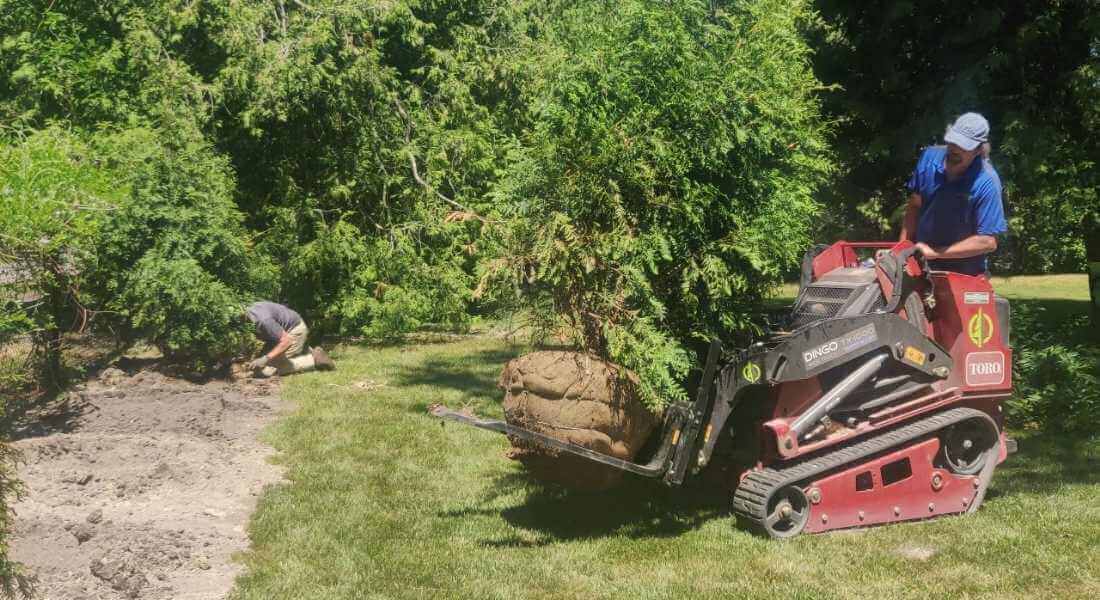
(679, 436)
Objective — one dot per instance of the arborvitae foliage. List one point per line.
(174, 265)
(54, 193)
(323, 109)
(364, 144)
(666, 180)
(386, 154)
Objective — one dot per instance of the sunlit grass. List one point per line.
(383, 501)
(1043, 287)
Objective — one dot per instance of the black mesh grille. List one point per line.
(836, 294)
(819, 303)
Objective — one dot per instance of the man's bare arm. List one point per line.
(975, 245)
(280, 348)
(912, 216)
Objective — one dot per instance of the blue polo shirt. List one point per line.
(954, 210)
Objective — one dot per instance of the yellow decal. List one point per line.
(706, 434)
(914, 356)
(675, 436)
(751, 372)
(980, 328)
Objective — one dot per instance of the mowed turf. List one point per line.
(382, 501)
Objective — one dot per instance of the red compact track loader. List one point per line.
(878, 400)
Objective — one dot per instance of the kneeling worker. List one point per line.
(284, 333)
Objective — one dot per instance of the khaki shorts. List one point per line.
(298, 335)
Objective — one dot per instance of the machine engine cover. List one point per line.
(842, 292)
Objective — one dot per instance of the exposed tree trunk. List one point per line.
(52, 338)
(1092, 257)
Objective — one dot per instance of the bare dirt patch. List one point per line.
(916, 552)
(140, 485)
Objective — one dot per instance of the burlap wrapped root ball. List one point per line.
(576, 398)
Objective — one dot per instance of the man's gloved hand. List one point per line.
(258, 363)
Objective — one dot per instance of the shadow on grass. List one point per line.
(637, 508)
(641, 508)
(465, 373)
(1042, 320)
(1045, 462)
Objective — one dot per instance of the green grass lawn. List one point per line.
(383, 501)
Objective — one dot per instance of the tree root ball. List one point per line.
(576, 398)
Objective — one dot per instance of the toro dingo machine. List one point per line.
(877, 401)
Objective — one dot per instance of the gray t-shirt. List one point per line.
(272, 320)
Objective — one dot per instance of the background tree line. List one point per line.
(635, 176)
(905, 69)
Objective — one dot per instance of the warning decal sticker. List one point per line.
(976, 298)
(914, 356)
(980, 328)
(751, 372)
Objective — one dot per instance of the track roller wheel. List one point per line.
(967, 446)
(787, 514)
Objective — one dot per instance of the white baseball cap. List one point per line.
(968, 131)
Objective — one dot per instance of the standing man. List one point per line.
(284, 333)
(955, 211)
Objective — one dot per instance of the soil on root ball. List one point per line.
(576, 398)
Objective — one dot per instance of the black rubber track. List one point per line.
(750, 501)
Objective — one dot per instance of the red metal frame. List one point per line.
(960, 302)
(964, 320)
(927, 491)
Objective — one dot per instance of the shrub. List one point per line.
(1057, 371)
(379, 289)
(1059, 388)
(185, 310)
(54, 193)
(666, 180)
(175, 265)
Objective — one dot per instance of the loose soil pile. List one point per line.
(141, 485)
(575, 398)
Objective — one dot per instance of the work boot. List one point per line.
(321, 360)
